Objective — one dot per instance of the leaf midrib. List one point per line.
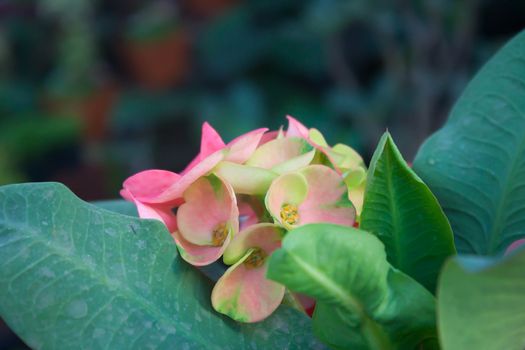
(152, 308)
(375, 335)
(329, 285)
(398, 262)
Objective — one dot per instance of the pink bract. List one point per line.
(240, 148)
(313, 194)
(198, 255)
(160, 186)
(207, 220)
(344, 159)
(208, 202)
(282, 155)
(162, 212)
(243, 292)
(296, 128)
(340, 156)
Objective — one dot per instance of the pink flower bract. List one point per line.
(243, 292)
(207, 220)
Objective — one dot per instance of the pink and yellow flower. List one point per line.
(313, 194)
(207, 220)
(344, 159)
(272, 158)
(237, 200)
(157, 192)
(243, 292)
(213, 150)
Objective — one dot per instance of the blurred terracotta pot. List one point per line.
(93, 108)
(96, 110)
(159, 63)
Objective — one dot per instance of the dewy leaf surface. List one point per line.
(475, 164)
(77, 276)
(400, 209)
(362, 302)
(480, 303)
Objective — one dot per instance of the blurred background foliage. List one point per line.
(92, 91)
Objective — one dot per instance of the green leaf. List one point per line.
(363, 303)
(480, 303)
(475, 163)
(400, 209)
(74, 275)
(119, 206)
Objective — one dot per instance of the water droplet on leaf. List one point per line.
(77, 309)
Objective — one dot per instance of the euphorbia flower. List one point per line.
(207, 220)
(159, 186)
(344, 159)
(314, 194)
(282, 155)
(272, 158)
(243, 292)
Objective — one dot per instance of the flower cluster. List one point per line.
(238, 200)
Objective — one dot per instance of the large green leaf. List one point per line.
(480, 303)
(476, 163)
(363, 303)
(74, 275)
(119, 206)
(400, 209)
(213, 271)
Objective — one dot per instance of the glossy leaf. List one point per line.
(480, 303)
(400, 209)
(363, 302)
(119, 206)
(475, 164)
(74, 275)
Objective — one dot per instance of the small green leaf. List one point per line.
(475, 163)
(480, 303)
(363, 303)
(400, 209)
(77, 276)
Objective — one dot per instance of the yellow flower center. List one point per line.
(219, 235)
(289, 214)
(256, 259)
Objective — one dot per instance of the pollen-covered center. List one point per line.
(290, 214)
(219, 235)
(256, 259)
